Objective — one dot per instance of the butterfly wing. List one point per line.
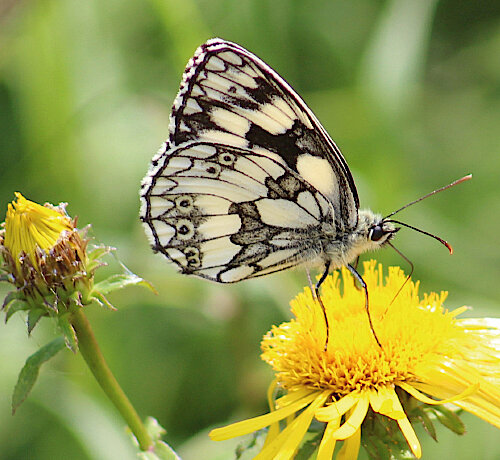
(249, 182)
(230, 96)
(226, 214)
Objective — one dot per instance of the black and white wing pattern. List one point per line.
(249, 182)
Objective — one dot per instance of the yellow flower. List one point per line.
(29, 226)
(426, 353)
(44, 256)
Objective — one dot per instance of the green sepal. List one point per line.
(251, 445)
(76, 299)
(34, 316)
(420, 414)
(10, 297)
(309, 445)
(98, 251)
(94, 255)
(449, 419)
(120, 281)
(69, 333)
(382, 438)
(29, 373)
(102, 300)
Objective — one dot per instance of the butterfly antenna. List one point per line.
(408, 277)
(458, 181)
(444, 242)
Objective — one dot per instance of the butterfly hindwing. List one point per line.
(226, 213)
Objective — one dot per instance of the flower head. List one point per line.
(426, 353)
(45, 257)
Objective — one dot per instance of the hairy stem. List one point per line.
(92, 355)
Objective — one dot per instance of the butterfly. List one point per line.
(249, 182)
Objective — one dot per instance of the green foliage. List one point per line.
(161, 450)
(120, 281)
(449, 419)
(382, 438)
(409, 91)
(29, 373)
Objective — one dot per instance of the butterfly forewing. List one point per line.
(230, 96)
(249, 182)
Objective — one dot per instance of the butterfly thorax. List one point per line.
(371, 233)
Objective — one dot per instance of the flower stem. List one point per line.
(92, 355)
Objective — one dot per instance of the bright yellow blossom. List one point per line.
(427, 354)
(29, 226)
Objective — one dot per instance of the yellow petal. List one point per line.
(386, 402)
(350, 449)
(274, 428)
(459, 311)
(257, 423)
(327, 445)
(356, 417)
(338, 408)
(425, 399)
(293, 396)
(286, 443)
(29, 226)
(411, 437)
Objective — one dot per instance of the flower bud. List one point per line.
(45, 258)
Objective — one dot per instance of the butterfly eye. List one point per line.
(376, 233)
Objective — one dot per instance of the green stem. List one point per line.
(91, 353)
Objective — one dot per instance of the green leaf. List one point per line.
(120, 281)
(449, 419)
(29, 373)
(34, 316)
(155, 430)
(69, 333)
(14, 306)
(162, 451)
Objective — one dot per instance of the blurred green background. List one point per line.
(410, 91)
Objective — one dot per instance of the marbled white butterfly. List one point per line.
(249, 182)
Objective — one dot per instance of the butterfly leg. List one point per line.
(356, 262)
(361, 281)
(316, 291)
(357, 284)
